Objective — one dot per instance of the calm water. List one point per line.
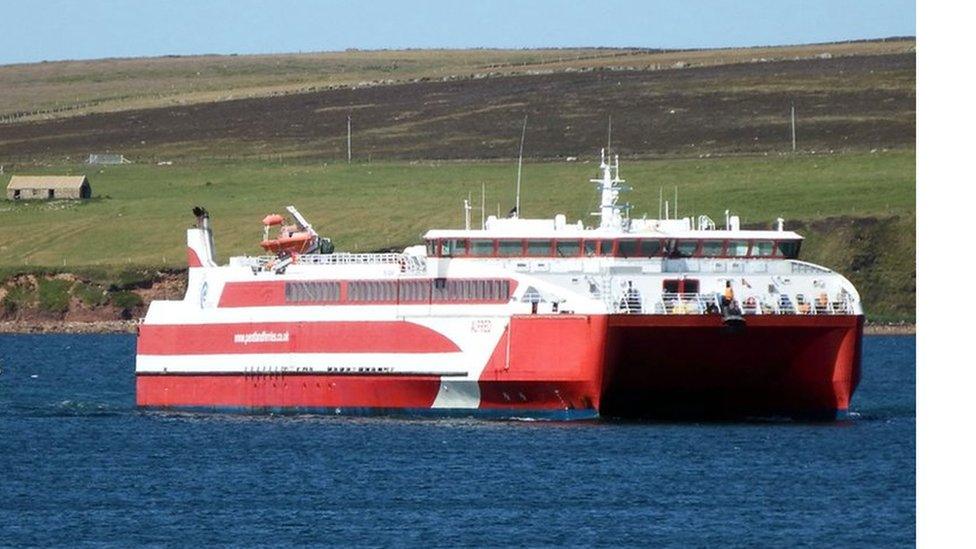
(79, 465)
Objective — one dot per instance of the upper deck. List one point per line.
(596, 243)
(616, 235)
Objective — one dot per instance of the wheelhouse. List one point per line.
(614, 247)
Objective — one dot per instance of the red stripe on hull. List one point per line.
(292, 391)
(252, 294)
(291, 337)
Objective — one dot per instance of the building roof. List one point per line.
(47, 181)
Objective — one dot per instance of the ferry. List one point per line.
(631, 317)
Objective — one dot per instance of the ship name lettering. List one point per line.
(262, 337)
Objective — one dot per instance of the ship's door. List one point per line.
(681, 286)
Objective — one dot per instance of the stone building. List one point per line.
(48, 187)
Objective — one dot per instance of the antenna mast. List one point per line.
(609, 131)
(518, 177)
(349, 139)
(610, 185)
(482, 205)
(793, 124)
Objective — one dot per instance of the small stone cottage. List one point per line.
(48, 187)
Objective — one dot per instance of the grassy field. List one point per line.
(857, 210)
(71, 88)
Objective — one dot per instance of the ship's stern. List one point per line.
(696, 366)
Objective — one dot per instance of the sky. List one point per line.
(53, 30)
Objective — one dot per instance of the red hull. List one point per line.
(619, 365)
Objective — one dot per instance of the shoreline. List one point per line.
(69, 327)
(132, 326)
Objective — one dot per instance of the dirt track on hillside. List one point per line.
(842, 103)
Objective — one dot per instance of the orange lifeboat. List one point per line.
(291, 239)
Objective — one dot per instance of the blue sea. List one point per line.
(79, 465)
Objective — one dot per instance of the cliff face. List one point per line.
(85, 297)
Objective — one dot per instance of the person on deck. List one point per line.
(727, 296)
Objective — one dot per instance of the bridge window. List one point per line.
(589, 248)
(431, 248)
(567, 248)
(509, 248)
(312, 292)
(762, 248)
(738, 248)
(539, 248)
(712, 248)
(606, 247)
(454, 247)
(482, 248)
(790, 249)
(687, 248)
(650, 248)
(627, 248)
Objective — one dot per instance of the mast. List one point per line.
(610, 186)
(518, 177)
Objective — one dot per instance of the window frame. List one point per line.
(577, 241)
(527, 246)
(493, 247)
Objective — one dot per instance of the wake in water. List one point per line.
(67, 408)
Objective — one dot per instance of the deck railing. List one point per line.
(407, 263)
(697, 304)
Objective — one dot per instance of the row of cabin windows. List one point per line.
(640, 247)
(438, 290)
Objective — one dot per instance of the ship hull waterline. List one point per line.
(557, 367)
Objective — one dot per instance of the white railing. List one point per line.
(799, 304)
(686, 304)
(408, 263)
(697, 304)
(802, 267)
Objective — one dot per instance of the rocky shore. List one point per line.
(69, 327)
(889, 329)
